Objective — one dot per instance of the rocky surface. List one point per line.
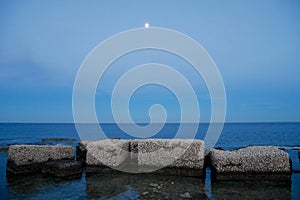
(169, 156)
(164, 156)
(255, 162)
(186, 195)
(103, 155)
(30, 158)
(62, 168)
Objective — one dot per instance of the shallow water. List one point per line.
(137, 186)
(140, 186)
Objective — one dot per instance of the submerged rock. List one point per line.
(144, 193)
(153, 184)
(30, 158)
(115, 186)
(251, 163)
(186, 195)
(62, 168)
(169, 156)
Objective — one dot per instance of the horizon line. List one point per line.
(204, 122)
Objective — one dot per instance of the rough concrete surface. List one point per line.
(255, 161)
(181, 156)
(29, 158)
(107, 153)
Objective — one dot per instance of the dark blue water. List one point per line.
(234, 135)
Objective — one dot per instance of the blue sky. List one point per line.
(255, 44)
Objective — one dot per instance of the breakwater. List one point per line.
(161, 156)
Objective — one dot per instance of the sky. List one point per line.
(255, 45)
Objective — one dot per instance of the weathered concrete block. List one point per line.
(169, 156)
(62, 168)
(106, 155)
(30, 158)
(255, 162)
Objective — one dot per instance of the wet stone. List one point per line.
(81, 151)
(62, 168)
(186, 195)
(153, 184)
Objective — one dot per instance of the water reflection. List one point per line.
(143, 186)
(251, 190)
(36, 185)
(140, 186)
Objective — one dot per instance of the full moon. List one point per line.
(147, 25)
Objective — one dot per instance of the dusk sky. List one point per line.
(255, 44)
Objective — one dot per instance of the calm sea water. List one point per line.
(126, 186)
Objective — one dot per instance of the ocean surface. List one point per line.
(130, 186)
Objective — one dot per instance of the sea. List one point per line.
(284, 135)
